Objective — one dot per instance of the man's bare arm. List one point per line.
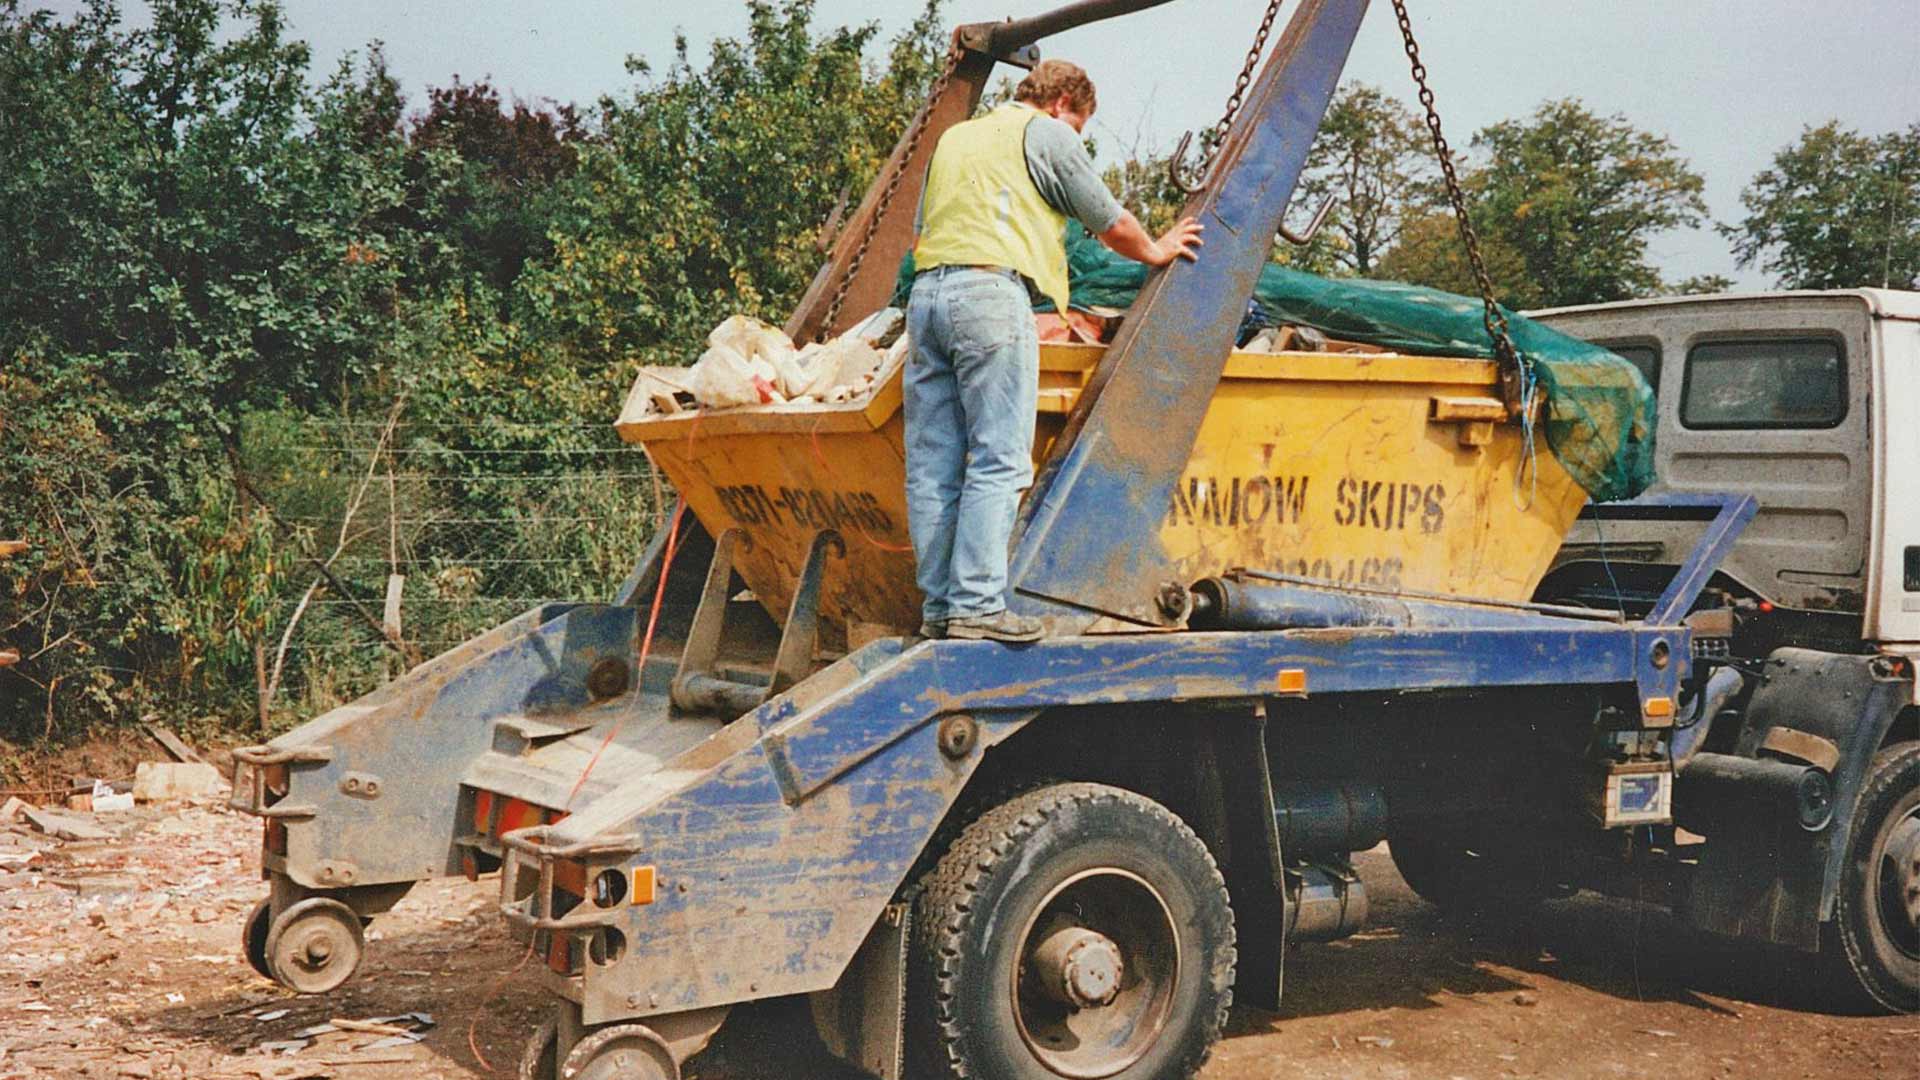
(1128, 238)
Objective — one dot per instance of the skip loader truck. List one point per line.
(1357, 577)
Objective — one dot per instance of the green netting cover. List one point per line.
(1600, 411)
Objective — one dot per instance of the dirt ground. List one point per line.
(121, 960)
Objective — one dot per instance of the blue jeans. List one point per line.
(969, 394)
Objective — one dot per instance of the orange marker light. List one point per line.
(1292, 681)
(643, 885)
(1658, 707)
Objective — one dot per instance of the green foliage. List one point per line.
(705, 191)
(1565, 203)
(1701, 285)
(1837, 210)
(1578, 196)
(1373, 161)
(1429, 252)
(220, 277)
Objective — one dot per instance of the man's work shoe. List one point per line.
(999, 626)
(933, 629)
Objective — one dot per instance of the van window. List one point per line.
(1799, 383)
(1644, 357)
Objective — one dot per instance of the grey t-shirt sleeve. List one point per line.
(1058, 163)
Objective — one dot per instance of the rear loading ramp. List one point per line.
(366, 794)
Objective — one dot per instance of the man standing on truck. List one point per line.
(999, 191)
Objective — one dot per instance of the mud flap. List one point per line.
(861, 1020)
(1256, 884)
(1774, 881)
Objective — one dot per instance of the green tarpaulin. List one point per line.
(1599, 418)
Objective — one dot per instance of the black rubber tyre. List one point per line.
(1465, 875)
(1151, 929)
(1873, 944)
(541, 1058)
(253, 938)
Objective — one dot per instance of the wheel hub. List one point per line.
(1099, 964)
(314, 946)
(1081, 967)
(1900, 877)
(620, 1052)
(316, 950)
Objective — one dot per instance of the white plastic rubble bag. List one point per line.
(722, 378)
(752, 339)
(804, 377)
(852, 362)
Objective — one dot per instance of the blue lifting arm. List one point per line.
(1088, 542)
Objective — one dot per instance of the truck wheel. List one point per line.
(1873, 944)
(315, 945)
(1463, 875)
(541, 1058)
(253, 938)
(1078, 930)
(620, 1052)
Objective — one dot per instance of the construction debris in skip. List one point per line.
(748, 363)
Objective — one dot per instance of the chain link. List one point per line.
(1240, 85)
(886, 195)
(1218, 133)
(1511, 364)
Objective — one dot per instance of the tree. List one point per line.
(1837, 210)
(1373, 160)
(498, 198)
(704, 191)
(1701, 285)
(1578, 196)
(193, 232)
(1429, 252)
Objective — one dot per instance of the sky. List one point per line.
(1730, 83)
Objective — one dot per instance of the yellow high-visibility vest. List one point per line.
(982, 208)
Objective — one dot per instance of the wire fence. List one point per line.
(433, 533)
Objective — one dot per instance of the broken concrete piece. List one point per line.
(97, 886)
(168, 781)
(11, 810)
(108, 801)
(65, 826)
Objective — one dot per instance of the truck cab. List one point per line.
(1810, 402)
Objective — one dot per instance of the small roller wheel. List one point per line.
(541, 1059)
(314, 946)
(253, 938)
(620, 1052)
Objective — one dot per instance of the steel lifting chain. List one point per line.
(886, 194)
(1219, 130)
(1508, 358)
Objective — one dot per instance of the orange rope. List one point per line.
(473, 1026)
(646, 644)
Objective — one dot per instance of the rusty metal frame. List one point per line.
(532, 847)
(250, 793)
(698, 685)
(709, 619)
(800, 636)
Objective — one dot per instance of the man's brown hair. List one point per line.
(1050, 79)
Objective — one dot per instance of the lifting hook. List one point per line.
(1175, 164)
(1302, 239)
